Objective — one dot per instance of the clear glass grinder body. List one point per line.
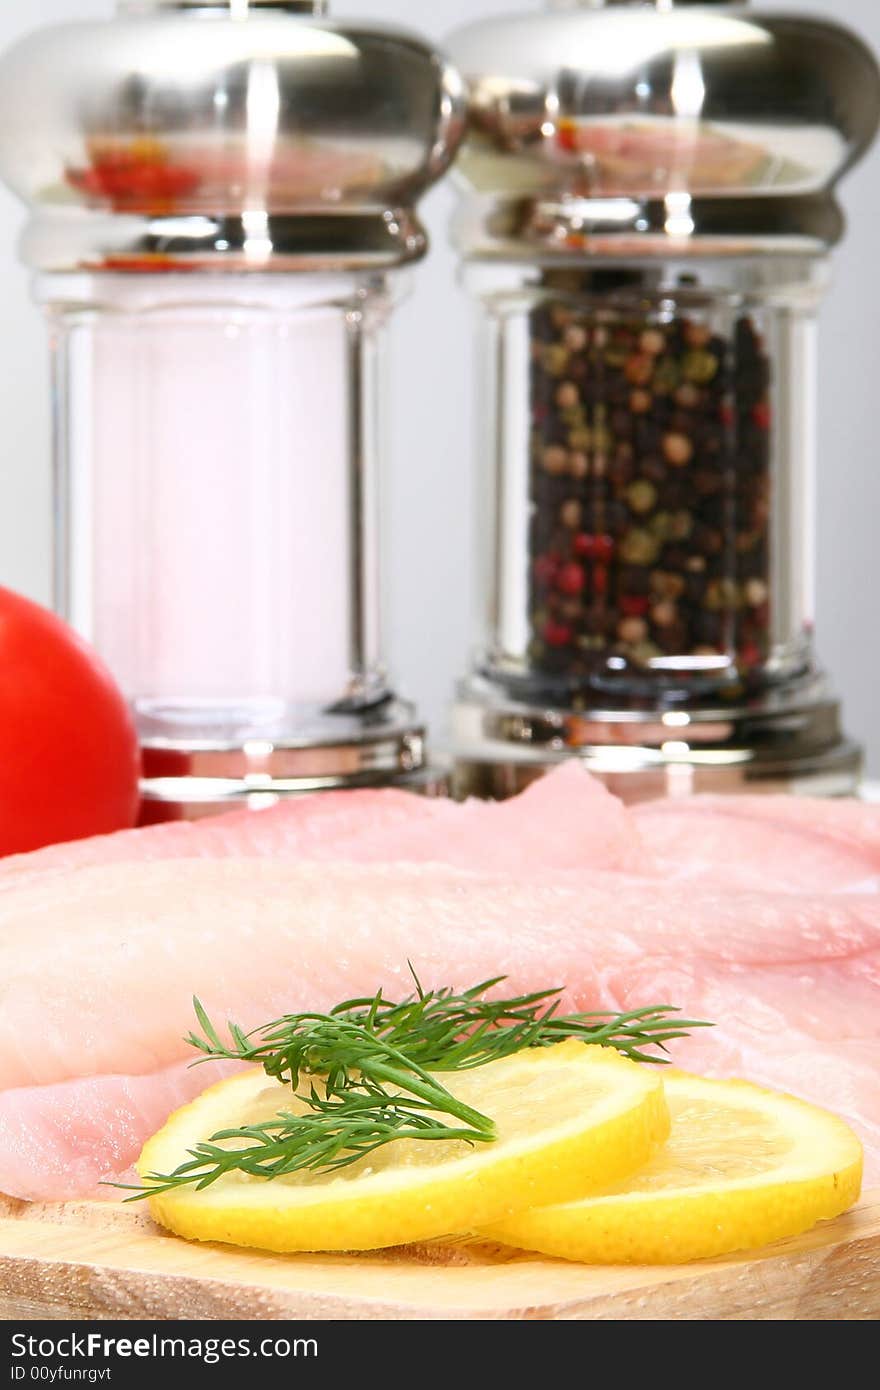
(221, 547)
(662, 431)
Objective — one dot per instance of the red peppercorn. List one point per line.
(750, 655)
(603, 548)
(638, 369)
(634, 605)
(584, 545)
(571, 579)
(762, 415)
(600, 580)
(557, 634)
(546, 568)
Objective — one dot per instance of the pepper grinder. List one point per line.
(222, 197)
(647, 207)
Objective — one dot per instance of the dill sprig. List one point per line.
(373, 1068)
(438, 1031)
(332, 1135)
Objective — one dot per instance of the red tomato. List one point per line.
(69, 760)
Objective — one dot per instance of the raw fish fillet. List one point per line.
(567, 821)
(792, 981)
(783, 844)
(70, 1138)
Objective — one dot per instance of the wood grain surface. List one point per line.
(100, 1261)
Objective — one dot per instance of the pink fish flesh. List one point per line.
(791, 980)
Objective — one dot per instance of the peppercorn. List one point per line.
(664, 614)
(634, 605)
(639, 368)
(641, 496)
(554, 459)
(584, 545)
(756, 593)
(639, 547)
(571, 514)
(568, 396)
(652, 342)
(678, 450)
(570, 579)
(557, 634)
(580, 437)
(700, 367)
(688, 396)
(632, 630)
(555, 360)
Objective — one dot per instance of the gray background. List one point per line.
(430, 541)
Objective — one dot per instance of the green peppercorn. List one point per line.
(660, 526)
(645, 652)
(641, 496)
(602, 440)
(556, 360)
(638, 547)
(700, 367)
(581, 437)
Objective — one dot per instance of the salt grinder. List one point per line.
(222, 196)
(647, 207)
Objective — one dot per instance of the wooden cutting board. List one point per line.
(100, 1261)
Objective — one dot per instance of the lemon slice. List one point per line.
(743, 1167)
(570, 1119)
